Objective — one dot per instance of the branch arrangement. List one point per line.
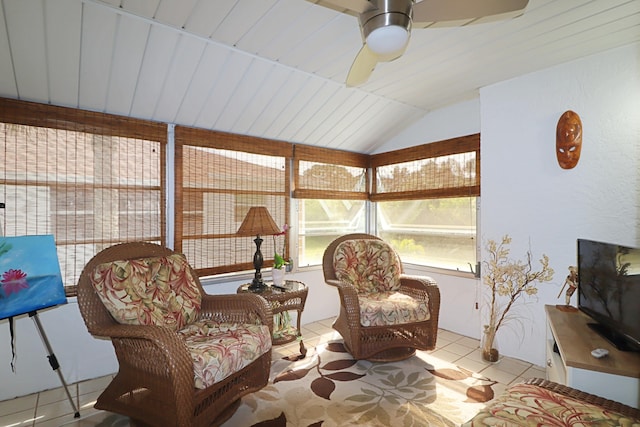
(510, 279)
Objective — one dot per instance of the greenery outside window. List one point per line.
(434, 232)
(331, 187)
(426, 199)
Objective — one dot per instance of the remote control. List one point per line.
(599, 353)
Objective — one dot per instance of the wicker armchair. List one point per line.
(155, 382)
(393, 339)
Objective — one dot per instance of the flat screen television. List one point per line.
(609, 291)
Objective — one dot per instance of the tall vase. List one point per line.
(489, 345)
(277, 275)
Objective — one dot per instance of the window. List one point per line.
(426, 202)
(332, 190)
(92, 180)
(219, 177)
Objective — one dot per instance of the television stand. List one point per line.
(615, 377)
(616, 339)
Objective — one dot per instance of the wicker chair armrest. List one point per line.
(157, 334)
(237, 308)
(418, 287)
(332, 282)
(349, 302)
(165, 347)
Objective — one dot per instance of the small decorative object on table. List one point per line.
(572, 281)
(507, 278)
(280, 264)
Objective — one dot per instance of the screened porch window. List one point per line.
(90, 180)
(219, 177)
(426, 202)
(332, 190)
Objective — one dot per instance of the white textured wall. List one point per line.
(526, 194)
(456, 120)
(80, 355)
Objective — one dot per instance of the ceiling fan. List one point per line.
(386, 24)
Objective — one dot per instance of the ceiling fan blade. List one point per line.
(352, 7)
(452, 10)
(362, 67)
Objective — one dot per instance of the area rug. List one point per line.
(329, 388)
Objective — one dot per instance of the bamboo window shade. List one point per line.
(449, 168)
(91, 179)
(219, 176)
(322, 173)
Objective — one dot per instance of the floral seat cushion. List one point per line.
(373, 268)
(369, 265)
(220, 349)
(531, 405)
(149, 291)
(391, 308)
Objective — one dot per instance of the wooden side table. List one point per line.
(291, 296)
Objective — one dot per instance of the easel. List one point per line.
(53, 361)
(18, 285)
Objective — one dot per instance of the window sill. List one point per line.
(437, 270)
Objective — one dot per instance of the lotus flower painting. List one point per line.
(30, 277)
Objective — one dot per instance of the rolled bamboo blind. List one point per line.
(90, 179)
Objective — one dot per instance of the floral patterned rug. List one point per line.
(329, 388)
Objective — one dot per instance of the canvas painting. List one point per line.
(30, 277)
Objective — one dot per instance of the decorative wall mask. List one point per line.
(568, 140)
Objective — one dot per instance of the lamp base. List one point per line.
(257, 286)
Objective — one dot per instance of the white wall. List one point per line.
(456, 120)
(527, 195)
(79, 354)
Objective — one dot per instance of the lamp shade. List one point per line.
(388, 40)
(258, 222)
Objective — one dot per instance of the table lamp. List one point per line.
(258, 222)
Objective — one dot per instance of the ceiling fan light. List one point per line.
(388, 40)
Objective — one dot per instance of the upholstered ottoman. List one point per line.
(538, 402)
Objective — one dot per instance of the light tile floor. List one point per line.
(51, 408)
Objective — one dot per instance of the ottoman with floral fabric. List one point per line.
(538, 402)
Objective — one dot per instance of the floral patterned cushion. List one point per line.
(391, 308)
(149, 291)
(530, 405)
(220, 349)
(369, 265)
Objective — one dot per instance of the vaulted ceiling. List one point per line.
(276, 68)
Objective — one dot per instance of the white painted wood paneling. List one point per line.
(239, 105)
(276, 68)
(96, 54)
(63, 50)
(226, 83)
(202, 83)
(7, 77)
(244, 16)
(158, 56)
(182, 67)
(25, 30)
(133, 34)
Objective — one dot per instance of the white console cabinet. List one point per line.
(615, 377)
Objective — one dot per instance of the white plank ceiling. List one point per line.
(276, 68)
